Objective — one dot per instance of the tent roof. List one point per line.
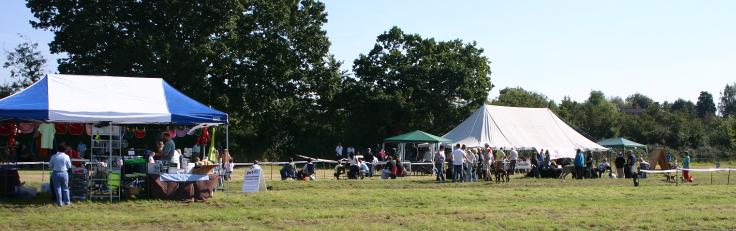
(122, 100)
(520, 127)
(619, 141)
(417, 136)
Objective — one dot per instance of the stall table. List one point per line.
(183, 187)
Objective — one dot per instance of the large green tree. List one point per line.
(685, 106)
(727, 104)
(26, 66)
(600, 116)
(518, 97)
(408, 82)
(264, 62)
(639, 100)
(705, 106)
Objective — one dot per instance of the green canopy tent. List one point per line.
(415, 137)
(622, 143)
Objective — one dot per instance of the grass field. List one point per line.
(413, 203)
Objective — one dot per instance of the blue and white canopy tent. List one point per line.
(108, 100)
(118, 100)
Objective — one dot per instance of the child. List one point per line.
(229, 169)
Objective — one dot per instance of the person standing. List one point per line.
(225, 157)
(450, 174)
(620, 162)
(579, 164)
(338, 151)
(540, 162)
(381, 155)
(439, 164)
(487, 158)
(350, 151)
(169, 149)
(478, 163)
(498, 159)
(369, 161)
(513, 158)
(229, 166)
(353, 166)
(458, 158)
(535, 165)
(470, 161)
(643, 165)
(686, 165)
(589, 166)
(59, 164)
(630, 164)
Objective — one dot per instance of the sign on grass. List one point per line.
(253, 181)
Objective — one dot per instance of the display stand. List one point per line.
(105, 164)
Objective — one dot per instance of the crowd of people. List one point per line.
(460, 163)
(466, 164)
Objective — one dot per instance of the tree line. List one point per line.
(267, 64)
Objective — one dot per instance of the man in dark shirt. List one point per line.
(629, 170)
(620, 162)
(368, 157)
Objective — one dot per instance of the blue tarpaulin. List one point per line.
(121, 100)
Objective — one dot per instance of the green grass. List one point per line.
(414, 203)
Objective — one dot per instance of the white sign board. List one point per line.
(253, 181)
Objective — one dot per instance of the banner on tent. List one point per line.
(253, 181)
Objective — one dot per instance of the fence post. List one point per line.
(711, 177)
(729, 177)
(43, 172)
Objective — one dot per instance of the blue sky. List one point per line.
(663, 49)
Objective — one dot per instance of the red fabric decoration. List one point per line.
(140, 134)
(11, 136)
(205, 137)
(60, 128)
(76, 129)
(27, 127)
(5, 128)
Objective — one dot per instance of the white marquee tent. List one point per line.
(517, 127)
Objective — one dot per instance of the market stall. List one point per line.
(110, 110)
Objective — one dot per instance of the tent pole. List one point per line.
(227, 136)
(109, 161)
